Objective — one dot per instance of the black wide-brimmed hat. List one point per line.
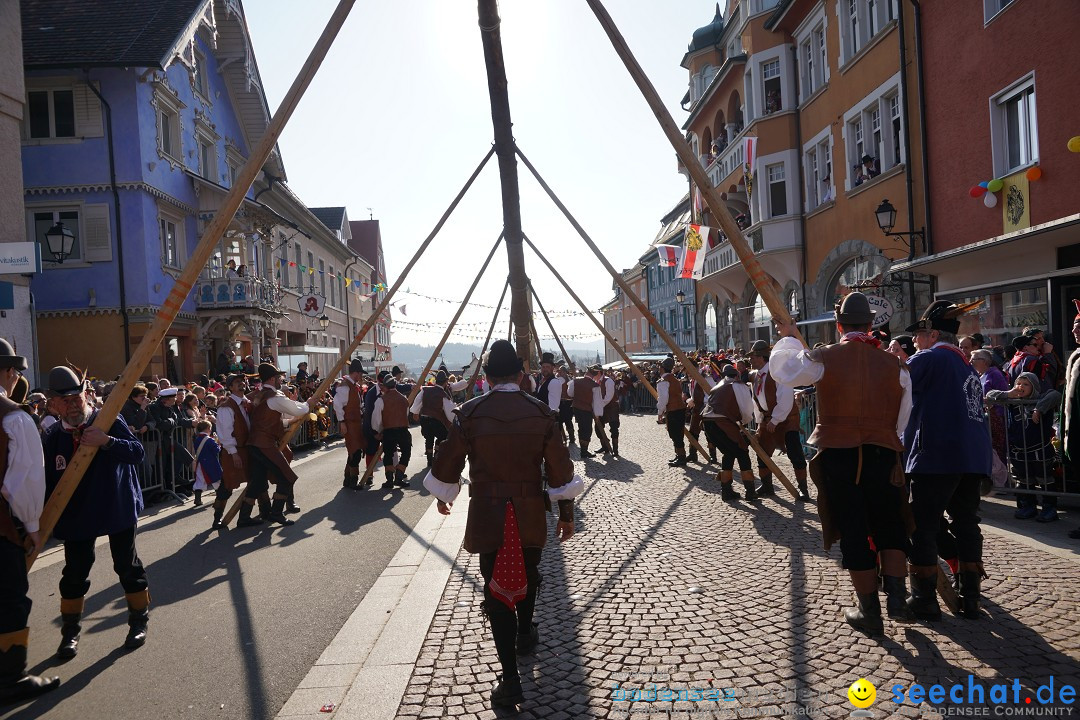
(668, 363)
(760, 347)
(854, 309)
(547, 359)
(63, 382)
(233, 378)
(8, 358)
(502, 360)
(267, 371)
(441, 377)
(356, 366)
(943, 315)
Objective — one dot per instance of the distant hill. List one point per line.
(458, 355)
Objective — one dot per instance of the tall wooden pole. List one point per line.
(615, 343)
(332, 375)
(488, 11)
(550, 326)
(487, 340)
(766, 286)
(163, 320)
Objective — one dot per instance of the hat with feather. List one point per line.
(943, 315)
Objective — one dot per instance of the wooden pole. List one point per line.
(536, 298)
(615, 343)
(332, 375)
(181, 288)
(491, 329)
(491, 38)
(766, 286)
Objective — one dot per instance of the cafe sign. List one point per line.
(884, 309)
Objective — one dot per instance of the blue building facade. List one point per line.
(679, 319)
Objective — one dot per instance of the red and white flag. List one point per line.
(669, 255)
(694, 249)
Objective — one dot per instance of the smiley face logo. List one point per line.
(862, 693)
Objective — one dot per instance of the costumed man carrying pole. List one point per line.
(390, 421)
(671, 409)
(22, 496)
(585, 397)
(107, 502)
(435, 408)
(609, 394)
(507, 524)
(269, 407)
(233, 427)
(864, 400)
(948, 447)
(566, 404)
(726, 406)
(697, 410)
(778, 421)
(349, 408)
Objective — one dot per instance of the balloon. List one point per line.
(976, 191)
(990, 200)
(1074, 144)
(994, 185)
(1034, 173)
(983, 184)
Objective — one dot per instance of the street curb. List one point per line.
(365, 669)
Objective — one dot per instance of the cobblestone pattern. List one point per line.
(666, 584)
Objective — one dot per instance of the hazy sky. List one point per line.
(398, 116)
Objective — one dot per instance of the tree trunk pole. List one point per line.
(615, 343)
(550, 326)
(487, 340)
(766, 286)
(491, 37)
(181, 288)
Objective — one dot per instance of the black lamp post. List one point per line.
(324, 322)
(60, 240)
(680, 297)
(886, 220)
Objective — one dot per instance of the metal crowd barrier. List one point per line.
(1030, 450)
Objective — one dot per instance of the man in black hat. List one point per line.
(609, 417)
(566, 403)
(726, 406)
(864, 399)
(778, 421)
(948, 455)
(507, 523)
(551, 385)
(585, 397)
(390, 421)
(371, 449)
(233, 428)
(349, 407)
(268, 406)
(435, 408)
(107, 501)
(671, 409)
(22, 497)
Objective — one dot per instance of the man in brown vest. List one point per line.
(22, 497)
(698, 396)
(233, 428)
(864, 399)
(435, 409)
(349, 407)
(727, 405)
(778, 421)
(671, 409)
(268, 407)
(390, 421)
(585, 399)
(566, 403)
(609, 394)
(507, 523)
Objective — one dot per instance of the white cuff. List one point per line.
(447, 492)
(30, 526)
(569, 491)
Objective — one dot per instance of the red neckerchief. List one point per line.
(863, 338)
(952, 348)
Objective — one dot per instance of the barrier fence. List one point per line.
(1028, 459)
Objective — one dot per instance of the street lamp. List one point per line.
(680, 297)
(60, 240)
(324, 322)
(886, 220)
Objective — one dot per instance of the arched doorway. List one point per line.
(854, 274)
(711, 338)
(760, 325)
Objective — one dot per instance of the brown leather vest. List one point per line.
(525, 383)
(431, 402)
(8, 530)
(675, 399)
(395, 410)
(354, 406)
(240, 429)
(721, 399)
(858, 397)
(791, 422)
(266, 426)
(614, 399)
(583, 396)
(564, 391)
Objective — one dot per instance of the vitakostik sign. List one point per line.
(883, 307)
(20, 257)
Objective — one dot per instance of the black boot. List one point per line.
(277, 512)
(615, 444)
(680, 459)
(15, 684)
(198, 498)
(712, 453)
(508, 692)
(970, 576)
(219, 510)
(291, 508)
(766, 488)
(400, 480)
(896, 602)
(428, 455)
(69, 635)
(727, 493)
(867, 617)
(800, 479)
(351, 479)
(693, 455)
(748, 487)
(245, 514)
(585, 452)
(389, 484)
(924, 602)
(526, 642)
(138, 617)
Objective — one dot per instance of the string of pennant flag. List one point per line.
(368, 290)
(477, 334)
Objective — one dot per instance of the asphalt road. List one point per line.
(237, 617)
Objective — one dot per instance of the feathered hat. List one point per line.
(943, 315)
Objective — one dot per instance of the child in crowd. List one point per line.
(207, 463)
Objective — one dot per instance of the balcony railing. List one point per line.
(237, 292)
(728, 161)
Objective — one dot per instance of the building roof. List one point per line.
(331, 217)
(709, 35)
(103, 33)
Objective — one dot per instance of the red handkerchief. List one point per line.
(508, 582)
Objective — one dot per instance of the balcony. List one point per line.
(730, 160)
(237, 292)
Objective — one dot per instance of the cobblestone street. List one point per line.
(665, 585)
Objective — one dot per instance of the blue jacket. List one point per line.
(108, 500)
(947, 431)
(209, 459)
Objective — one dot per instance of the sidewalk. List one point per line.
(666, 587)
